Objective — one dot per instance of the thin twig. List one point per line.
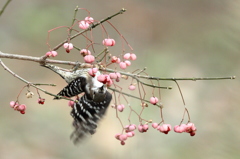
(4, 7)
(29, 83)
(90, 28)
(129, 95)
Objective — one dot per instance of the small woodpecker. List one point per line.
(91, 107)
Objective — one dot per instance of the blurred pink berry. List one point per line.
(54, 53)
(120, 107)
(89, 58)
(114, 75)
(83, 24)
(133, 57)
(165, 128)
(85, 52)
(190, 128)
(117, 136)
(128, 63)
(109, 83)
(132, 87)
(108, 42)
(153, 100)
(68, 47)
(21, 107)
(13, 104)
(130, 134)
(132, 127)
(114, 59)
(126, 56)
(118, 60)
(71, 103)
(122, 137)
(104, 78)
(154, 125)
(51, 53)
(180, 128)
(89, 20)
(122, 143)
(41, 100)
(145, 127)
(123, 65)
(92, 72)
(140, 128)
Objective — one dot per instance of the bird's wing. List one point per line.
(86, 114)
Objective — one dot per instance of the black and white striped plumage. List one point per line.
(91, 107)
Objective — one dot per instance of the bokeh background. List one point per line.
(172, 38)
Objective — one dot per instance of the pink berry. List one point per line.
(177, 129)
(123, 137)
(133, 57)
(128, 63)
(54, 53)
(120, 107)
(145, 127)
(41, 100)
(13, 103)
(85, 52)
(114, 59)
(49, 54)
(108, 42)
(123, 65)
(101, 78)
(117, 136)
(113, 75)
(89, 58)
(130, 134)
(132, 87)
(21, 107)
(68, 47)
(154, 125)
(140, 128)
(83, 24)
(165, 128)
(153, 100)
(118, 60)
(104, 79)
(92, 72)
(71, 103)
(109, 83)
(190, 128)
(89, 20)
(127, 56)
(132, 127)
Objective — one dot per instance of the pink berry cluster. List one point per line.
(19, 107)
(68, 47)
(164, 128)
(84, 24)
(41, 100)
(188, 128)
(105, 78)
(129, 132)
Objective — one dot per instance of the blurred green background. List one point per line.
(172, 38)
